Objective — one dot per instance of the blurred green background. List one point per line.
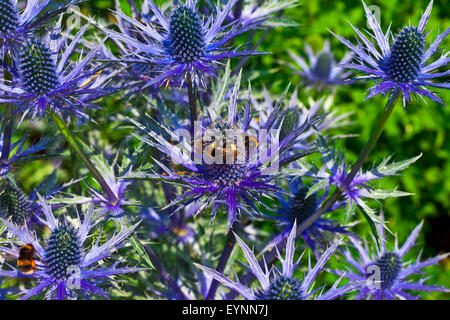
(420, 128)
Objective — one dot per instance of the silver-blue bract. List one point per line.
(321, 71)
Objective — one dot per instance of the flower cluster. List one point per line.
(151, 151)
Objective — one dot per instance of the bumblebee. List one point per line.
(26, 261)
(225, 141)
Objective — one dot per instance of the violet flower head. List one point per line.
(321, 71)
(18, 25)
(404, 66)
(283, 285)
(188, 44)
(64, 264)
(45, 80)
(297, 209)
(232, 165)
(14, 203)
(386, 271)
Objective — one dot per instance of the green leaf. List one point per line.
(384, 194)
(373, 227)
(218, 98)
(135, 242)
(316, 187)
(350, 210)
(391, 169)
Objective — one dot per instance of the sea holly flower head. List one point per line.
(18, 25)
(405, 65)
(297, 208)
(188, 44)
(20, 208)
(386, 271)
(64, 265)
(321, 71)
(14, 203)
(283, 285)
(230, 164)
(47, 81)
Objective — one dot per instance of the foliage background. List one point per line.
(421, 128)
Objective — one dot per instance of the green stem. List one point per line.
(374, 137)
(7, 133)
(226, 253)
(8, 120)
(75, 145)
(192, 105)
(362, 158)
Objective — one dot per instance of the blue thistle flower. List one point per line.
(46, 81)
(322, 71)
(297, 209)
(385, 270)
(405, 66)
(16, 26)
(19, 208)
(134, 76)
(37, 69)
(236, 179)
(188, 45)
(14, 203)
(276, 285)
(64, 264)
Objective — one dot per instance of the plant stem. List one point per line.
(7, 133)
(192, 105)
(269, 256)
(244, 59)
(229, 245)
(75, 145)
(357, 166)
(164, 274)
(8, 120)
(374, 137)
